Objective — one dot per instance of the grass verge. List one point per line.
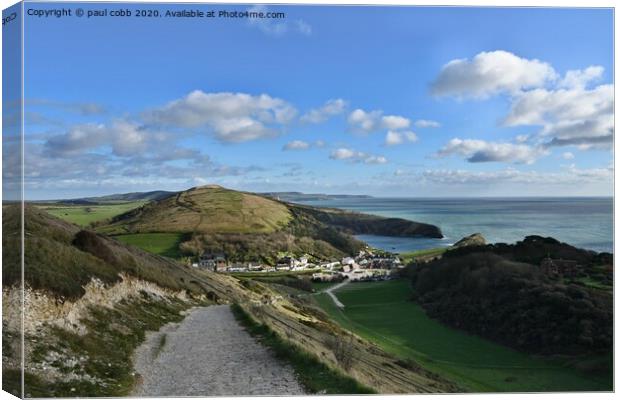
(315, 376)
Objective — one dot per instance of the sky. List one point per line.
(383, 101)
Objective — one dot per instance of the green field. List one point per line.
(164, 244)
(84, 215)
(382, 313)
(408, 257)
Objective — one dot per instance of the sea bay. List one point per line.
(585, 222)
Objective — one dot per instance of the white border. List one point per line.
(482, 3)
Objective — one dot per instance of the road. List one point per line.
(210, 354)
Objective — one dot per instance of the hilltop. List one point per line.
(251, 227)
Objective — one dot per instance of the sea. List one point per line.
(581, 222)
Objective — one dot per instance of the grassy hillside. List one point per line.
(86, 214)
(383, 313)
(206, 209)
(60, 258)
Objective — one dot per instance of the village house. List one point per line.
(330, 265)
(285, 263)
(237, 268)
(348, 261)
(255, 266)
(215, 262)
(245, 266)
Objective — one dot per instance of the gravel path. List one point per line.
(209, 354)
(330, 293)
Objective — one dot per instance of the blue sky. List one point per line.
(386, 101)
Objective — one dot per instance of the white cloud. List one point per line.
(79, 138)
(122, 137)
(482, 151)
(568, 155)
(303, 27)
(571, 175)
(534, 107)
(231, 117)
(122, 154)
(296, 145)
(363, 121)
(395, 122)
(372, 121)
(427, 123)
(490, 73)
(568, 116)
(522, 138)
(121, 141)
(302, 145)
(578, 79)
(393, 138)
(356, 156)
(568, 111)
(329, 109)
(277, 26)
(343, 154)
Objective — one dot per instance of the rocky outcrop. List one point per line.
(42, 308)
(475, 239)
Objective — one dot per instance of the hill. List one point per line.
(250, 227)
(538, 295)
(89, 301)
(206, 209)
(122, 197)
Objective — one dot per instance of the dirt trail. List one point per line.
(209, 354)
(330, 293)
